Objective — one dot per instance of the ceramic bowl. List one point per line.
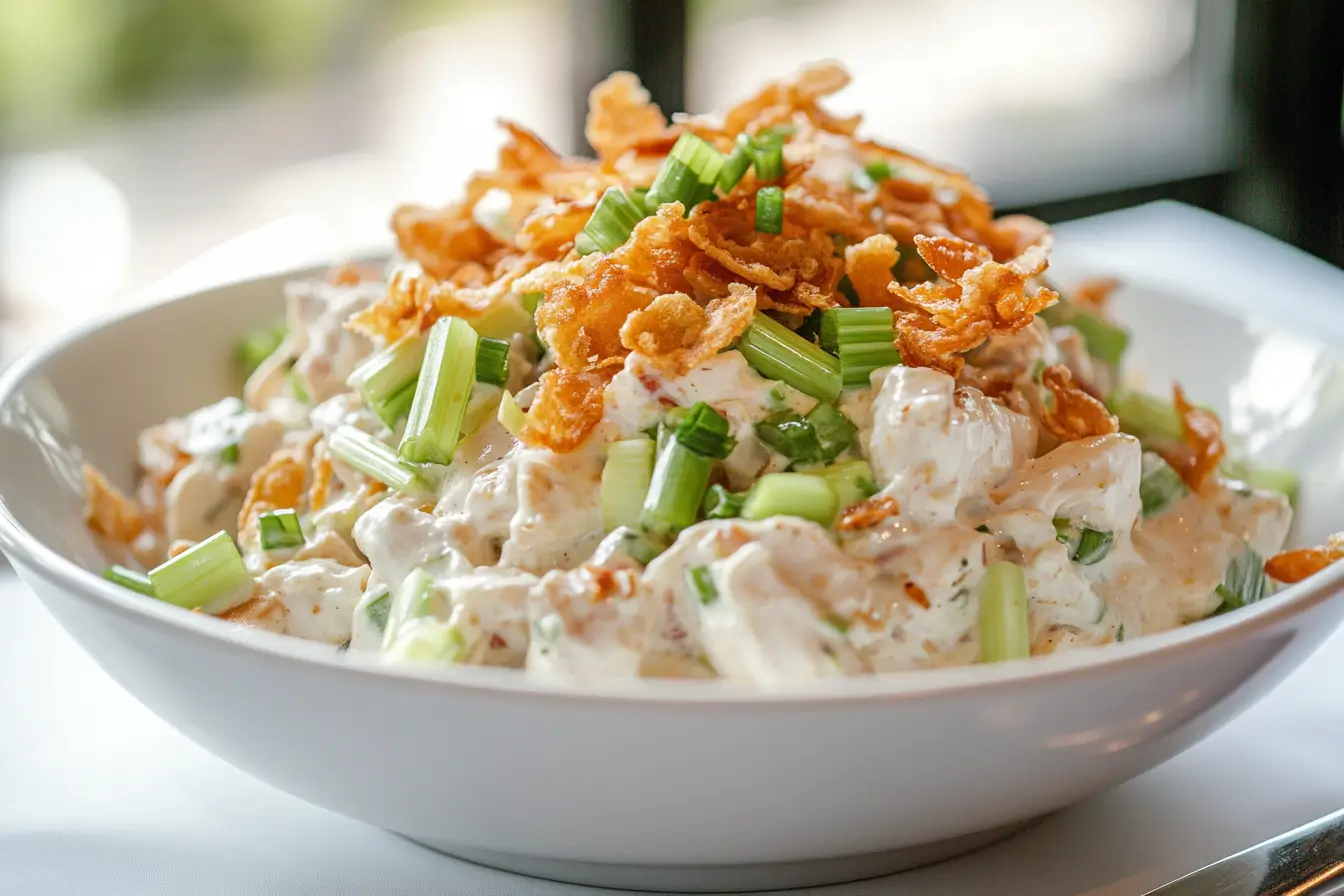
(660, 784)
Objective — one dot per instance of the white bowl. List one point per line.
(658, 784)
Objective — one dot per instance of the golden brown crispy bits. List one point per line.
(442, 240)
(277, 485)
(677, 334)
(1074, 414)
(820, 205)
(587, 302)
(351, 273)
(976, 298)
(868, 265)
(400, 311)
(621, 116)
(798, 266)
(526, 155)
(866, 514)
(1201, 448)
(777, 102)
(549, 232)
(1294, 566)
(264, 612)
(1093, 292)
(107, 511)
(567, 408)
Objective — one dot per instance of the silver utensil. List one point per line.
(1308, 861)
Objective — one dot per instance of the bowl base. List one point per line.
(729, 878)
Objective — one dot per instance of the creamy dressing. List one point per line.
(319, 596)
(517, 570)
(933, 445)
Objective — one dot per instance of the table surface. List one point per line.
(98, 796)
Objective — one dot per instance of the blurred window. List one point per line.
(1038, 99)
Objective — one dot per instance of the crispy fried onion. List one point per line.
(442, 240)
(677, 334)
(413, 301)
(1294, 566)
(277, 485)
(107, 511)
(1201, 448)
(866, 514)
(977, 298)
(549, 232)
(777, 102)
(799, 265)
(587, 302)
(621, 115)
(1093, 292)
(1075, 414)
(868, 265)
(567, 408)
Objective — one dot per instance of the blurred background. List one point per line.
(152, 143)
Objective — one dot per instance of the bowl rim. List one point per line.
(27, 551)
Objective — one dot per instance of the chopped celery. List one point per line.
(209, 576)
(791, 494)
(625, 481)
(1005, 628)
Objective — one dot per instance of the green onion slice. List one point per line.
(878, 170)
(280, 529)
(1244, 581)
(1159, 484)
(209, 576)
(1005, 627)
(1086, 545)
(778, 353)
(701, 582)
(705, 430)
(770, 210)
(736, 165)
(610, 224)
(834, 430)
(767, 151)
(441, 394)
(688, 174)
(722, 504)
(625, 481)
(680, 477)
(257, 346)
(787, 432)
(791, 494)
(492, 361)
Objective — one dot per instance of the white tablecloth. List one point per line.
(98, 796)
